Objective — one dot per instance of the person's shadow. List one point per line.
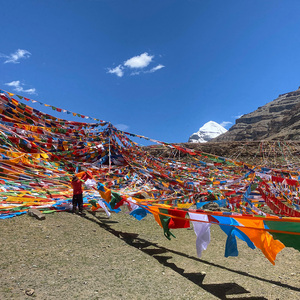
(221, 290)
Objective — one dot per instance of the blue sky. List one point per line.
(156, 68)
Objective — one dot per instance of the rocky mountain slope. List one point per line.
(277, 120)
(207, 132)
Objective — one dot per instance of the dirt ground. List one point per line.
(92, 257)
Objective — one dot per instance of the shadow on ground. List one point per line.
(161, 254)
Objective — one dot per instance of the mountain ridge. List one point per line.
(276, 120)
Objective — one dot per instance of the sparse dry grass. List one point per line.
(92, 257)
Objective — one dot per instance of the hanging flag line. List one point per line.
(53, 107)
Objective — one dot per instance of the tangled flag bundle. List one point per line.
(40, 154)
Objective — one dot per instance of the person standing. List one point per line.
(77, 192)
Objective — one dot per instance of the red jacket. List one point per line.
(77, 187)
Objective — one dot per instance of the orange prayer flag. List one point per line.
(261, 238)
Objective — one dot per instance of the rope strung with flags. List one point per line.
(40, 153)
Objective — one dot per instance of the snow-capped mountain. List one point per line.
(208, 131)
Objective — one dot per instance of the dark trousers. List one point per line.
(77, 201)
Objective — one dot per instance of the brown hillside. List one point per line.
(277, 120)
(271, 153)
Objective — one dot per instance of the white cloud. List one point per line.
(158, 67)
(122, 127)
(140, 61)
(135, 66)
(225, 123)
(16, 56)
(117, 70)
(19, 88)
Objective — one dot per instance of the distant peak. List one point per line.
(212, 125)
(207, 132)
